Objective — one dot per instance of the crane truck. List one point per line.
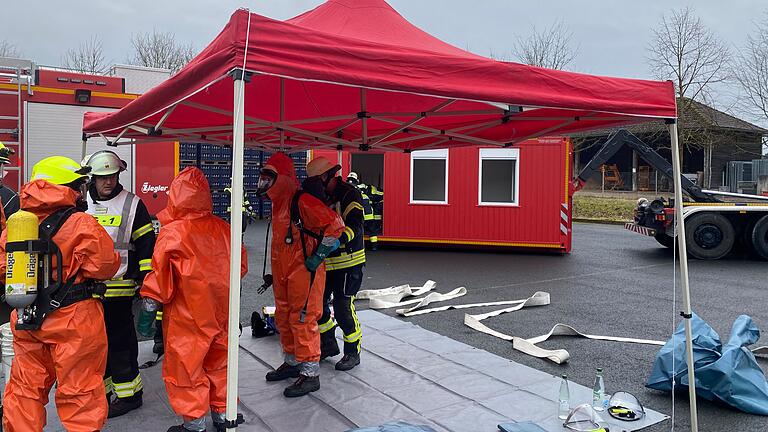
(715, 222)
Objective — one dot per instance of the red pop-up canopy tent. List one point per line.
(354, 74)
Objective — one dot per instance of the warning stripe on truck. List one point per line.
(640, 229)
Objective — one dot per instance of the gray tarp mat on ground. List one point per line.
(407, 373)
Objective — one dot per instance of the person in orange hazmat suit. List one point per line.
(70, 346)
(190, 278)
(305, 232)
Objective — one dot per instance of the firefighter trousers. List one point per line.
(341, 286)
(122, 373)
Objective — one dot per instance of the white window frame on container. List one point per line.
(499, 154)
(441, 154)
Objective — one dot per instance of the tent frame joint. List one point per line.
(686, 315)
(364, 147)
(152, 131)
(363, 115)
(670, 121)
(241, 75)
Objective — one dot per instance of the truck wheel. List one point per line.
(709, 236)
(760, 237)
(664, 240)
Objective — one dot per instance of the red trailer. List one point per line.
(41, 115)
(473, 196)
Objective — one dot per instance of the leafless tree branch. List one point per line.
(689, 54)
(685, 51)
(550, 48)
(160, 50)
(87, 58)
(751, 71)
(8, 49)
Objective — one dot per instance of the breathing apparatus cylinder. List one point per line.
(21, 266)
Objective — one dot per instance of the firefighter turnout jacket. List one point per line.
(126, 219)
(10, 204)
(348, 202)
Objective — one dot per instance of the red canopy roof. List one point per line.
(355, 73)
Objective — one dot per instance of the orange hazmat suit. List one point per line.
(300, 340)
(70, 348)
(190, 277)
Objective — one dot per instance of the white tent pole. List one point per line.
(236, 220)
(85, 148)
(683, 251)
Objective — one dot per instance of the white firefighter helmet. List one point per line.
(104, 163)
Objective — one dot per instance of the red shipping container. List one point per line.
(536, 216)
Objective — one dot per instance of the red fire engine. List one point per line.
(41, 115)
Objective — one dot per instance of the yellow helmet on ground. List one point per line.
(5, 154)
(59, 170)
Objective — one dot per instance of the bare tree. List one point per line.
(87, 58)
(8, 49)
(687, 52)
(160, 50)
(751, 71)
(550, 48)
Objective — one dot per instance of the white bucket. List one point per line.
(6, 348)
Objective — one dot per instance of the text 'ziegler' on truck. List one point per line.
(713, 225)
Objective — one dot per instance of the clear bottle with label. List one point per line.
(598, 391)
(564, 404)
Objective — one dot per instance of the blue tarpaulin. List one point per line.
(729, 373)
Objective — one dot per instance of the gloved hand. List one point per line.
(328, 245)
(268, 279)
(147, 315)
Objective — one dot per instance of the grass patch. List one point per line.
(607, 209)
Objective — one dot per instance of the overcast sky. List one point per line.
(611, 35)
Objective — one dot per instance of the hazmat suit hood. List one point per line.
(189, 197)
(286, 183)
(43, 198)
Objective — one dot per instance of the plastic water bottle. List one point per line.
(564, 406)
(598, 391)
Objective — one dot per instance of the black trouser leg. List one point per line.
(158, 347)
(123, 348)
(328, 345)
(347, 285)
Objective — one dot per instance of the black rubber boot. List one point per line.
(123, 406)
(222, 427)
(329, 347)
(303, 386)
(285, 371)
(349, 361)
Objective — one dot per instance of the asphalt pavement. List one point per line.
(614, 283)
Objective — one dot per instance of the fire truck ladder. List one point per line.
(14, 72)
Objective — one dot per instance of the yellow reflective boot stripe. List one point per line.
(141, 231)
(328, 325)
(145, 264)
(128, 389)
(368, 216)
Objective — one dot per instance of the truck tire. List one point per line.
(709, 236)
(760, 237)
(664, 240)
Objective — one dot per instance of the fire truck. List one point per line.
(715, 222)
(41, 115)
